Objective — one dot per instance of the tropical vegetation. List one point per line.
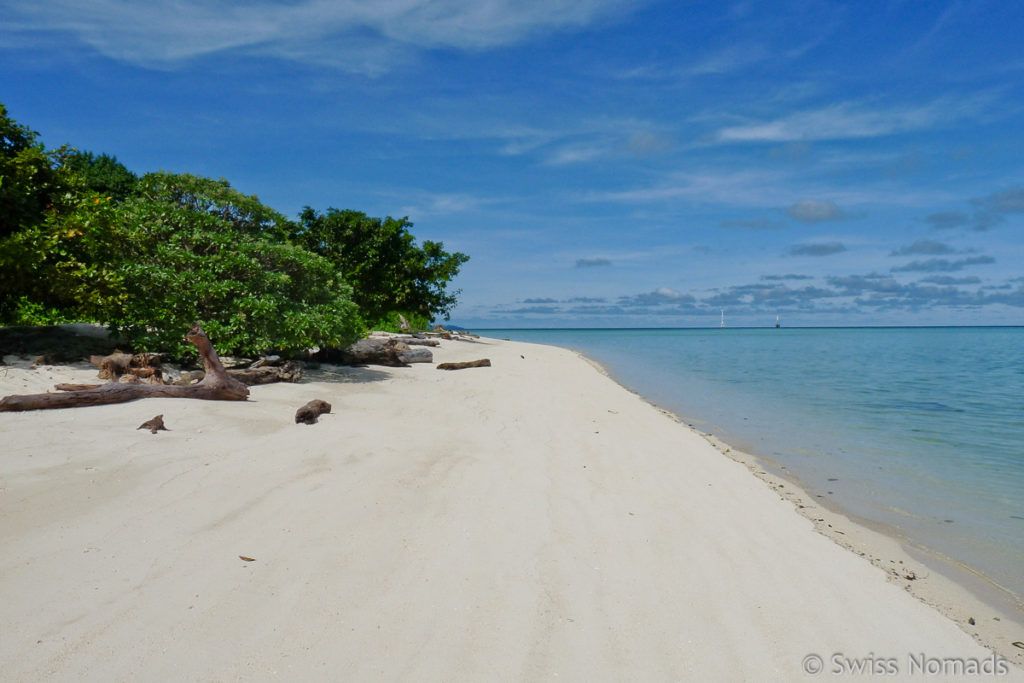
(82, 238)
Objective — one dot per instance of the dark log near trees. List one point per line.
(419, 355)
(309, 413)
(217, 385)
(482, 363)
(389, 351)
(290, 371)
(367, 352)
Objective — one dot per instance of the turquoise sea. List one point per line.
(918, 429)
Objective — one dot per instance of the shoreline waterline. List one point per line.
(954, 587)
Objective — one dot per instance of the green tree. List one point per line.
(83, 238)
(184, 248)
(103, 174)
(388, 272)
(32, 179)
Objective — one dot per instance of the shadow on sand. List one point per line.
(344, 374)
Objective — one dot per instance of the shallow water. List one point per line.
(921, 429)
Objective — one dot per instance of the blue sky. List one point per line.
(604, 163)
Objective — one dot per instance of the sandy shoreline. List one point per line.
(529, 521)
(955, 589)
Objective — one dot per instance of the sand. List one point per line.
(531, 521)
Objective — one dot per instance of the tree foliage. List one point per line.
(187, 248)
(379, 257)
(101, 173)
(82, 238)
(32, 179)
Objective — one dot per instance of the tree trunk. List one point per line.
(217, 385)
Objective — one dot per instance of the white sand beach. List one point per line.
(531, 521)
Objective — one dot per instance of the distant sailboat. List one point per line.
(778, 321)
(723, 317)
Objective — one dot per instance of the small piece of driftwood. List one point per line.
(482, 363)
(154, 425)
(309, 413)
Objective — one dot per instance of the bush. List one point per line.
(183, 249)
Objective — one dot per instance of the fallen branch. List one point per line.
(217, 385)
(482, 363)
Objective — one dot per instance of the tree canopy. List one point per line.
(379, 257)
(101, 173)
(32, 179)
(82, 238)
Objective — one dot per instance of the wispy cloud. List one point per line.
(951, 280)
(662, 295)
(752, 224)
(815, 211)
(1008, 201)
(945, 220)
(728, 60)
(444, 204)
(767, 188)
(162, 32)
(579, 152)
(592, 262)
(989, 211)
(852, 294)
(853, 120)
(736, 188)
(923, 247)
(788, 276)
(817, 249)
(940, 265)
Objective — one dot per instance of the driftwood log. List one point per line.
(290, 371)
(482, 363)
(144, 366)
(422, 342)
(309, 413)
(217, 385)
(376, 351)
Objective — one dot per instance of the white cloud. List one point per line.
(848, 120)
(350, 33)
(728, 60)
(444, 204)
(574, 153)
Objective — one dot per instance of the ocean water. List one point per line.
(918, 429)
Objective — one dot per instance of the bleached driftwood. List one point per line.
(482, 363)
(217, 385)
